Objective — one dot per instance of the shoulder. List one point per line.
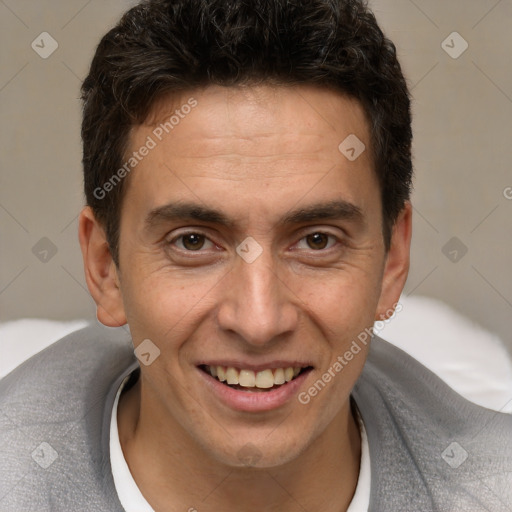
(62, 369)
(398, 378)
(428, 444)
(54, 408)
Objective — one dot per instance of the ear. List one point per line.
(101, 273)
(397, 264)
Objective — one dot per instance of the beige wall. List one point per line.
(463, 150)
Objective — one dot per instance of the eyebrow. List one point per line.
(181, 211)
(334, 210)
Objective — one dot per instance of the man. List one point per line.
(247, 170)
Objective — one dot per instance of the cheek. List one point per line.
(162, 305)
(344, 302)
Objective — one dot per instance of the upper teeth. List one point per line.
(249, 379)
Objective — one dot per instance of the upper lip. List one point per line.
(245, 365)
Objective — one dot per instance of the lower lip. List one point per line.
(257, 401)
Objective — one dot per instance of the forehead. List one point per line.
(242, 118)
(250, 140)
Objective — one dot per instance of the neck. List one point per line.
(170, 468)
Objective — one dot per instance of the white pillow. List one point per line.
(471, 360)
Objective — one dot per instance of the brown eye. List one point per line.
(193, 241)
(317, 241)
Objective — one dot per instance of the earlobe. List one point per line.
(100, 271)
(397, 264)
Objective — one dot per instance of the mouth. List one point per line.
(254, 381)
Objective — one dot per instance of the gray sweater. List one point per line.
(430, 449)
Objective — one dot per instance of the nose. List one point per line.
(257, 305)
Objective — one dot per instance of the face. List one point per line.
(252, 246)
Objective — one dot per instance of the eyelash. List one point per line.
(331, 237)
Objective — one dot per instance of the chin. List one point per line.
(262, 454)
